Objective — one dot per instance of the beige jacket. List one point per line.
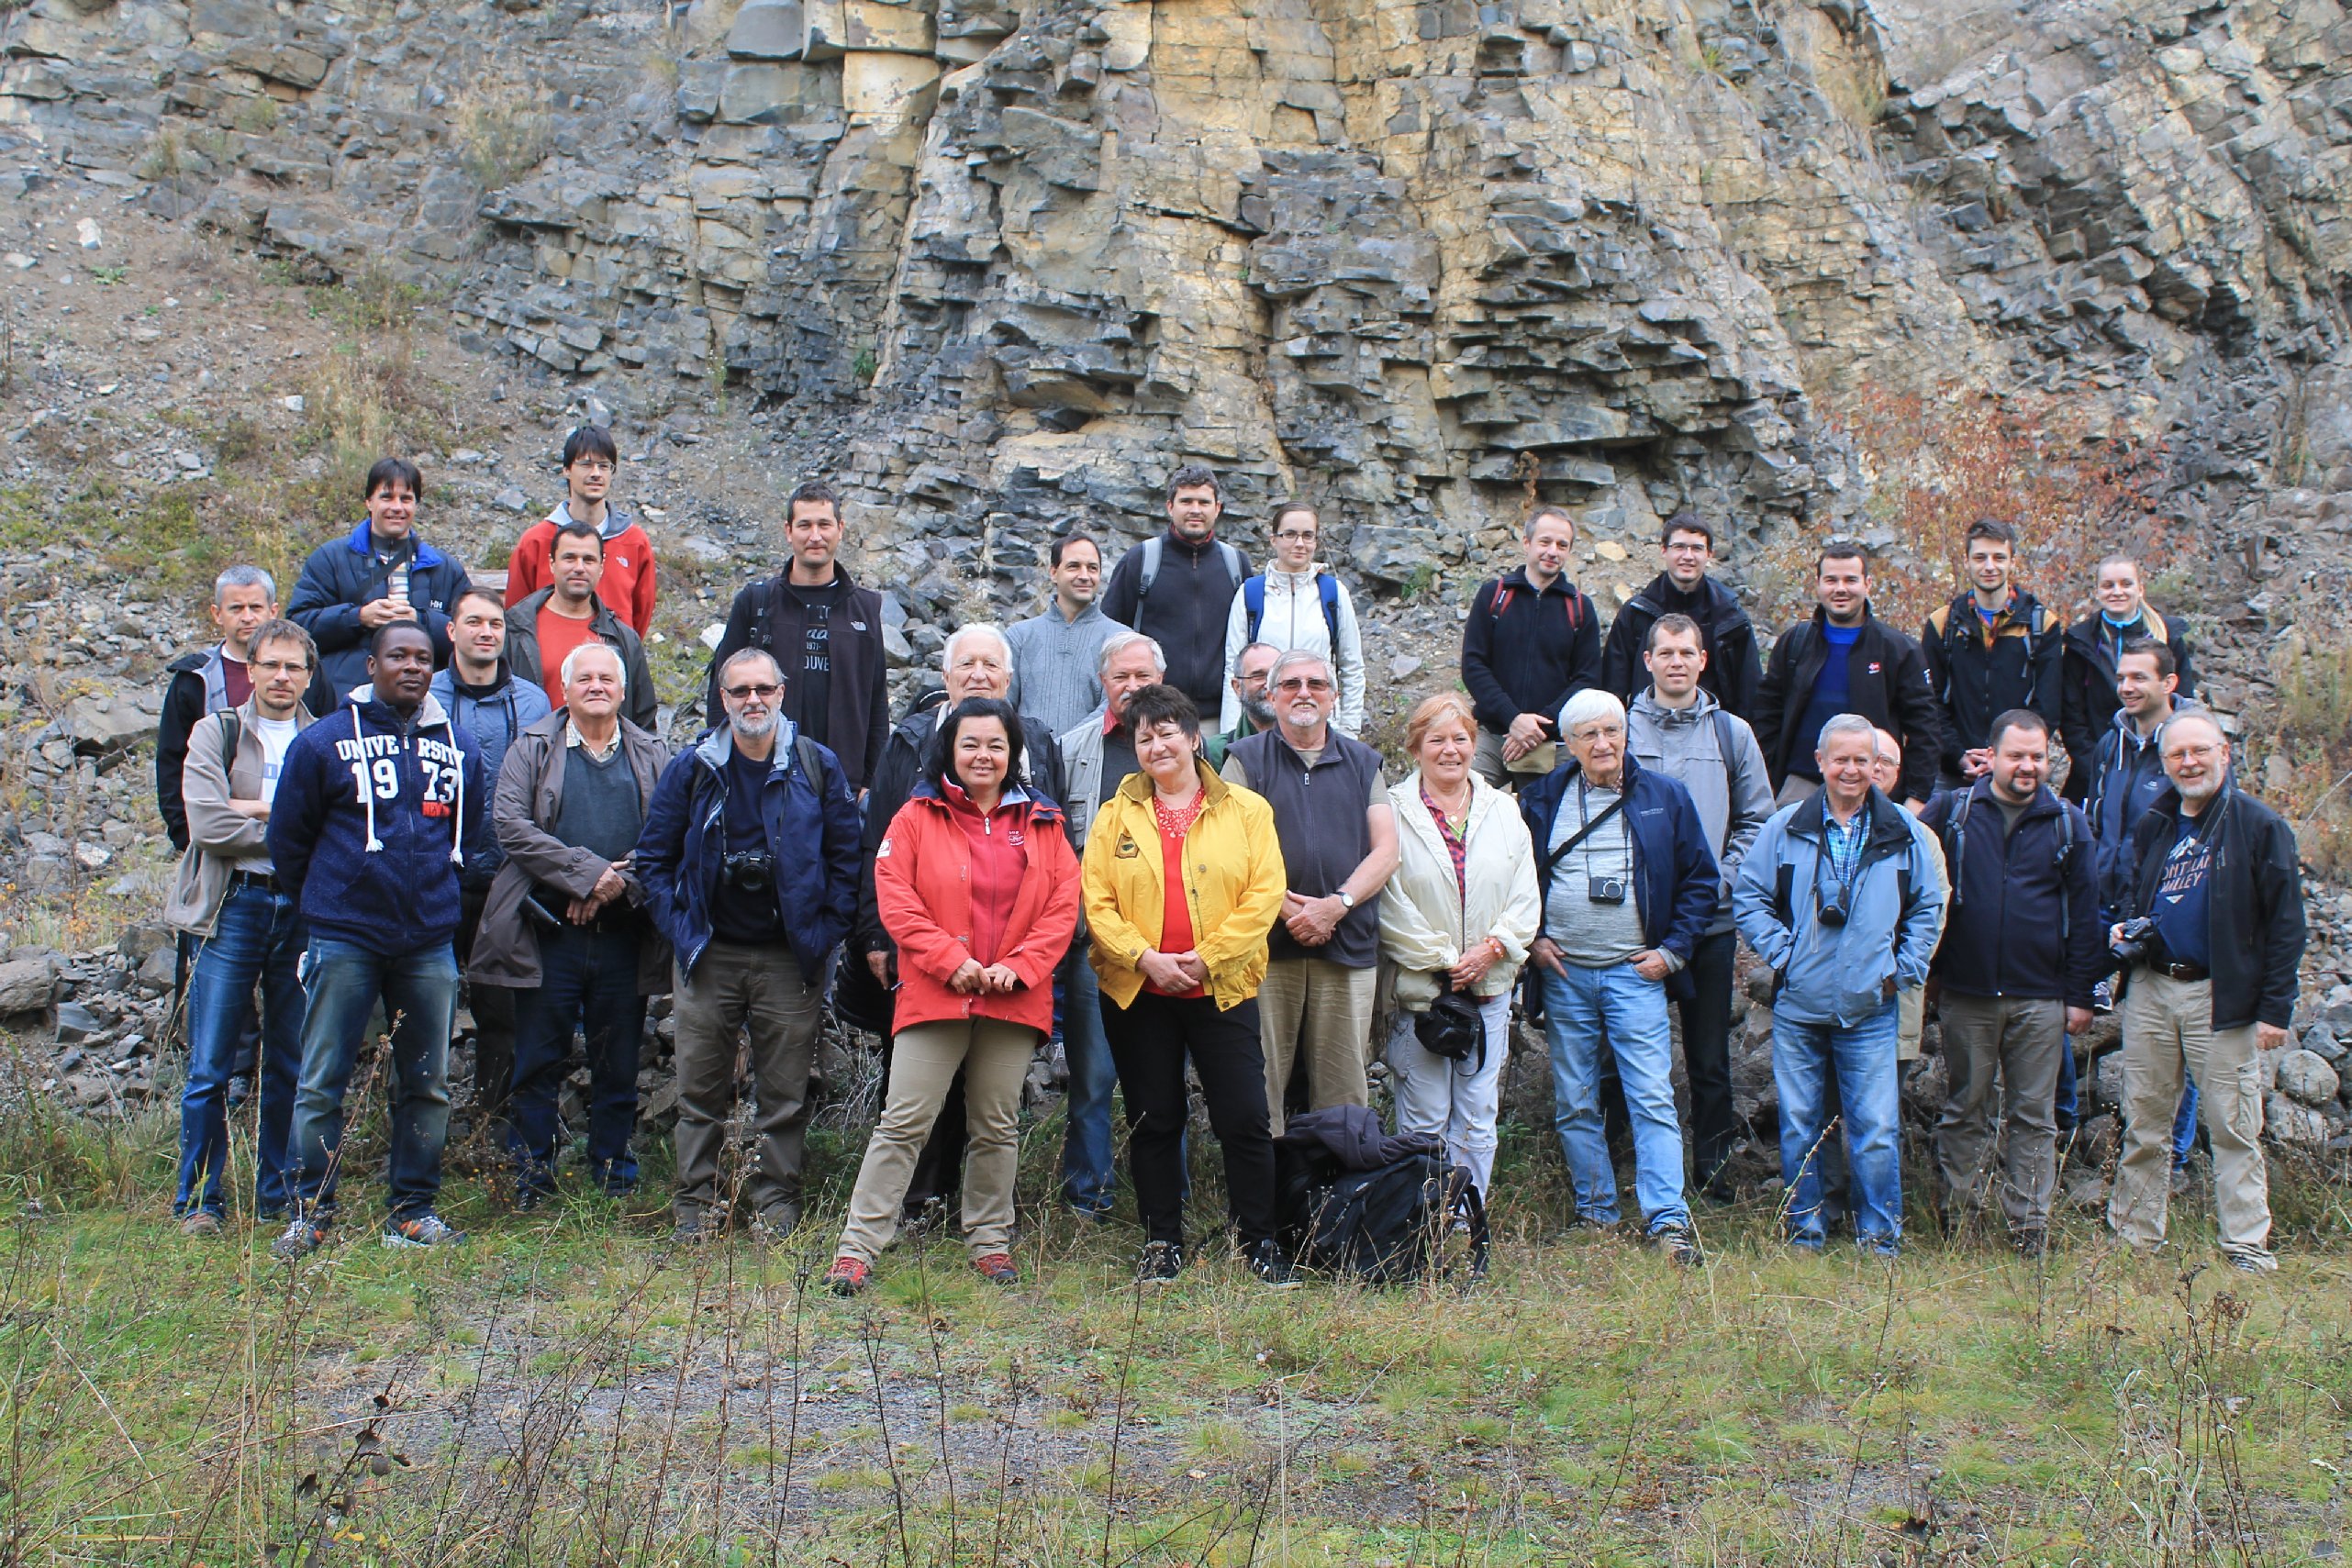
(219, 840)
(1424, 923)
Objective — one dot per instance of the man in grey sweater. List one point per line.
(1678, 729)
(1056, 656)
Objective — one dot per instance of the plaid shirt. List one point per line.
(1844, 843)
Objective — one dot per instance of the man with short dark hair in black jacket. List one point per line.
(1878, 673)
(1733, 671)
(2211, 947)
(1992, 649)
(1531, 642)
(2022, 871)
(1178, 587)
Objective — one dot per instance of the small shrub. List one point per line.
(498, 139)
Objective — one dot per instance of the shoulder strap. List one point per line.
(1328, 586)
(810, 763)
(1254, 601)
(1726, 750)
(1612, 810)
(232, 734)
(1152, 549)
(1232, 557)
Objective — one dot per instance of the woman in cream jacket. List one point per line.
(1460, 910)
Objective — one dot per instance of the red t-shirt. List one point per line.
(1176, 914)
(235, 681)
(999, 860)
(558, 635)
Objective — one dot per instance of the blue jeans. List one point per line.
(419, 992)
(1869, 1100)
(587, 980)
(1577, 1009)
(257, 939)
(2184, 1124)
(2069, 1105)
(1087, 1175)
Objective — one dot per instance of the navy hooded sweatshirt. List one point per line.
(378, 866)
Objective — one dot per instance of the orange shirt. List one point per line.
(558, 635)
(628, 586)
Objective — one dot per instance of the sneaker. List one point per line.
(2030, 1243)
(1271, 1267)
(996, 1268)
(2102, 997)
(1679, 1243)
(425, 1230)
(301, 1239)
(200, 1222)
(1162, 1263)
(2251, 1259)
(240, 1089)
(847, 1277)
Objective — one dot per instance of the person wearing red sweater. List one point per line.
(979, 888)
(589, 457)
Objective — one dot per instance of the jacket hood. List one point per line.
(1723, 610)
(1887, 819)
(718, 746)
(362, 543)
(616, 520)
(431, 714)
(1699, 712)
(1040, 808)
(445, 679)
(1137, 785)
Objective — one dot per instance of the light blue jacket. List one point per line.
(1838, 975)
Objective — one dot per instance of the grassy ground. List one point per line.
(565, 1389)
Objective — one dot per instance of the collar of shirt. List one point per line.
(1111, 724)
(571, 737)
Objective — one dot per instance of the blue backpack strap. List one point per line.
(1254, 603)
(1327, 586)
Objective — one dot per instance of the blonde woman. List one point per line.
(1458, 914)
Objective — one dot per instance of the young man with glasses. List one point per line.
(627, 588)
(1683, 588)
(1296, 602)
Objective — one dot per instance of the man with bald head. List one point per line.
(1886, 775)
(2209, 941)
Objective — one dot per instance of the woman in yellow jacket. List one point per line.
(1182, 880)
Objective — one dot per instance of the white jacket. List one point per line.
(1422, 919)
(1294, 619)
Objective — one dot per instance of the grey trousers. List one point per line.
(759, 989)
(2013, 1043)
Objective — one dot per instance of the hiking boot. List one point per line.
(302, 1237)
(777, 1223)
(2251, 1259)
(1679, 1243)
(1271, 1267)
(2031, 1244)
(425, 1232)
(692, 1230)
(996, 1268)
(200, 1222)
(1162, 1263)
(847, 1277)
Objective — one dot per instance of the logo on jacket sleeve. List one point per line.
(883, 852)
(1874, 666)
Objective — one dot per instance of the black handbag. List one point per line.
(1451, 1026)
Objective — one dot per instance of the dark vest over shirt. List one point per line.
(1319, 817)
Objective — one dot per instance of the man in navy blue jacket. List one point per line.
(352, 588)
(378, 807)
(1629, 889)
(2023, 872)
(749, 860)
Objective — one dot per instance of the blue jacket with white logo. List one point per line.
(374, 820)
(343, 574)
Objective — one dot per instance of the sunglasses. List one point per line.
(761, 692)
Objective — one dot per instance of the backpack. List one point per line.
(1952, 637)
(1954, 832)
(1384, 1227)
(1157, 546)
(1326, 585)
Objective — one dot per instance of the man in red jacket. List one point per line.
(589, 457)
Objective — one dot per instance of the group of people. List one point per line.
(1063, 848)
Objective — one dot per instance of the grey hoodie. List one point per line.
(1733, 797)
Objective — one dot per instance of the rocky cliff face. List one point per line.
(1003, 266)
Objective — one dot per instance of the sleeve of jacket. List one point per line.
(1922, 717)
(1038, 952)
(1750, 793)
(2074, 711)
(885, 795)
(1349, 657)
(878, 709)
(296, 814)
(182, 706)
(644, 697)
(450, 579)
(1922, 919)
(1695, 879)
(526, 568)
(1045, 772)
(1770, 713)
(542, 856)
(1742, 673)
(2279, 896)
(1752, 899)
(731, 642)
(662, 840)
(902, 909)
(1120, 597)
(1253, 914)
(1408, 939)
(1488, 700)
(2086, 956)
(477, 840)
(2050, 680)
(319, 609)
(1931, 659)
(641, 600)
(1584, 658)
(842, 840)
(212, 827)
(1523, 915)
(2181, 666)
(1237, 637)
(1618, 662)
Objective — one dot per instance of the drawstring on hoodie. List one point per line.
(367, 795)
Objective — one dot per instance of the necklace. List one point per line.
(1175, 821)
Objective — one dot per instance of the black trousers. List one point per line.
(1150, 1040)
(1706, 1053)
(493, 1020)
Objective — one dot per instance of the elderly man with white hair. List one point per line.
(1628, 885)
(1842, 898)
(975, 662)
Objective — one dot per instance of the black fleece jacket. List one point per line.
(2254, 908)
(1887, 683)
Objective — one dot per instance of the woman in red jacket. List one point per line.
(977, 885)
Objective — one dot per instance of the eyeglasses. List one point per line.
(593, 465)
(1302, 683)
(1296, 535)
(761, 692)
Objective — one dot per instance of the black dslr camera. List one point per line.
(752, 872)
(2136, 943)
(1832, 912)
(1605, 889)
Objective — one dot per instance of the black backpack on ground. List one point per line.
(1387, 1226)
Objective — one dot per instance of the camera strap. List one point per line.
(1612, 810)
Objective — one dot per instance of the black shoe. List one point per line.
(2030, 1244)
(1271, 1267)
(1162, 1263)
(1679, 1243)
(1721, 1192)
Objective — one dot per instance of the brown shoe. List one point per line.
(200, 1222)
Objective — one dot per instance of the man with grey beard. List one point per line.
(1249, 672)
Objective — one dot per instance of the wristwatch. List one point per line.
(1346, 899)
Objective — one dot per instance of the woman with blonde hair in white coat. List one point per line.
(1457, 914)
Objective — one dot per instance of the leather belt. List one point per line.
(2182, 971)
(261, 880)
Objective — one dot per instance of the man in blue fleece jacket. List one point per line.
(378, 807)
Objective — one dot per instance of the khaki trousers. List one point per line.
(1324, 1010)
(2013, 1042)
(994, 1056)
(2168, 1026)
(737, 988)
(1487, 759)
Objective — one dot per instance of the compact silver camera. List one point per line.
(1606, 889)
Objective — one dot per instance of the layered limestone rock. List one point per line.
(1416, 259)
